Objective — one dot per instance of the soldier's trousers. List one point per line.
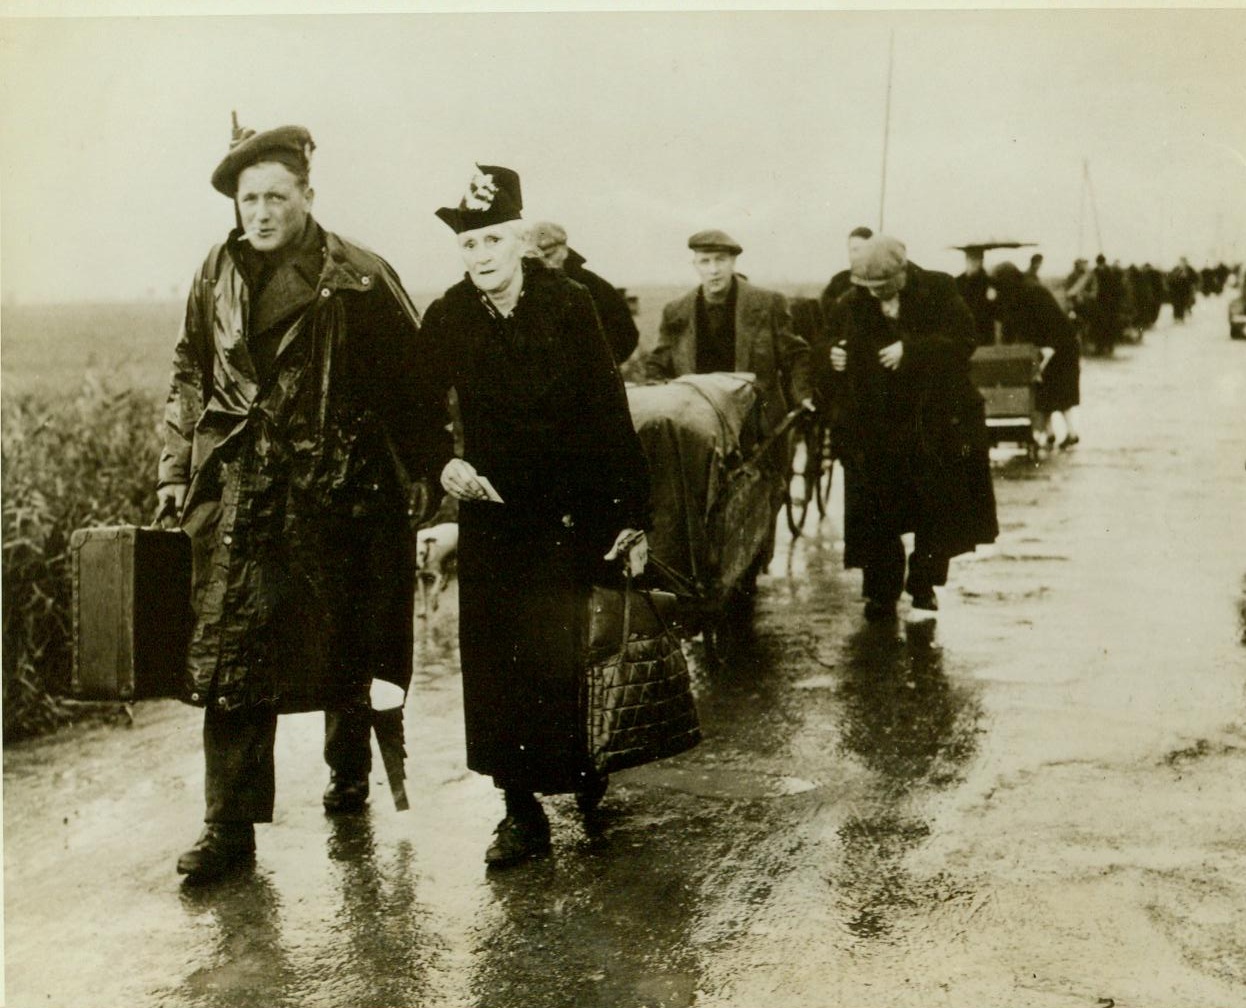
(239, 778)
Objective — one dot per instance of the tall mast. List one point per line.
(882, 195)
(1089, 188)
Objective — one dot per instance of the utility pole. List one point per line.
(1089, 188)
(882, 196)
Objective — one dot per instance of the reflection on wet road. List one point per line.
(914, 731)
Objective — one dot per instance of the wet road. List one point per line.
(1035, 801)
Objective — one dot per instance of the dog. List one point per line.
(436, 554)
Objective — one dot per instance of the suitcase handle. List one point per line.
(164, 509)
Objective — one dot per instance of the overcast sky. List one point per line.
(633, 129)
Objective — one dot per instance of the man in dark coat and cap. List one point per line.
(911, 428)
(289, 459)
(975, 290)
(549, 241)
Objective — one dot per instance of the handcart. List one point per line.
(717, 490)
(1007, 376)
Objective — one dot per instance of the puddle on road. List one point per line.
(729, 782)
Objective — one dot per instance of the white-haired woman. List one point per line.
(553, 487)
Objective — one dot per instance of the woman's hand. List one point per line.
(461, 481)
(839, 357)
(634, 543)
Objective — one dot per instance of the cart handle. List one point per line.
(678, 580)
(790, 419)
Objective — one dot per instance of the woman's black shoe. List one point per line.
(1070, 441)
(518, 840)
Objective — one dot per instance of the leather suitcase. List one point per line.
(131, 612)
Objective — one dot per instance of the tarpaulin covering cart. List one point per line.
(715, 492)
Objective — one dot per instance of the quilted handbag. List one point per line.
(638, 694)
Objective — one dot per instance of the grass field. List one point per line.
(52, 347)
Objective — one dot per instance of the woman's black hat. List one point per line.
(493, 196)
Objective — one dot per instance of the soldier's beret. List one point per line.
(292, 146)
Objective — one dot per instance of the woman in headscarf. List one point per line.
(553, 486)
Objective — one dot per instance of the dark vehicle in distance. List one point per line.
(1237, 312)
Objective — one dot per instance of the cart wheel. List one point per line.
(826, 470)
(714, 643)
(801, 472)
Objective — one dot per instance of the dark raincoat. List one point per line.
(921, 428)
(612, 310)
(546, 420)
(278, 415)
(1029, 313)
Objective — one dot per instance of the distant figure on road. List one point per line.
(1036, 264)
(975, 290)
(286, 424)
(912, 431)
(549, 240)
(841, 283)
(1030, 313)
(1182, 287)
(1107, 310)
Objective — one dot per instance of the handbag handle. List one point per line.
(627, 607)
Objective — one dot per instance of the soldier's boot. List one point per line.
(222, 848)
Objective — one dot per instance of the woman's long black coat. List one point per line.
(1030, 313)
(545, 419)
(921, 426)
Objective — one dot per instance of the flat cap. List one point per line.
(878, 260)
(714, 240)
(292, 146)
(546, 234)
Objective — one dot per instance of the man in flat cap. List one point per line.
(549, 241)
(911, 427)
(288, 458)
(727, 324)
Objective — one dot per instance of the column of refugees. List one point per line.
(310, 418)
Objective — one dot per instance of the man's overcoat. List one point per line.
(921, 427)
(287, 416)
(765, 344)
(545, 419)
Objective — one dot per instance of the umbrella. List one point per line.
(994, 243)
(387, 702)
